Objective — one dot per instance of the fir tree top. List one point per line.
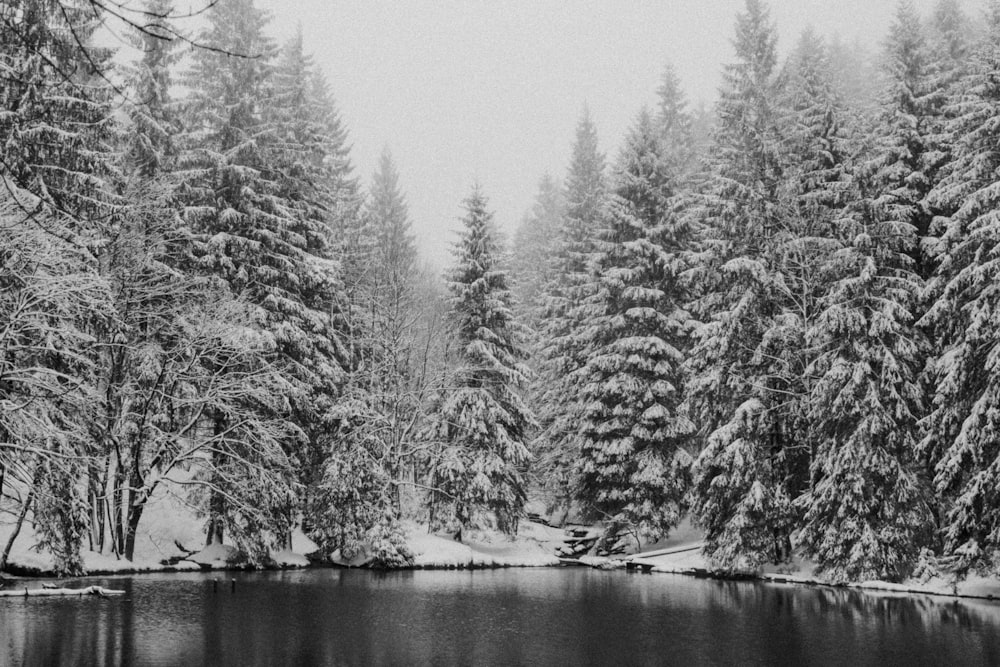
(585, 183)
(390, 215)
(480, 296)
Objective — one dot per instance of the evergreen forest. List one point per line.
(777, 317)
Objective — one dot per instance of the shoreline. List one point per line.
(19, 574)
(793, 580)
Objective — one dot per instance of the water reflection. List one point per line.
(508, 617)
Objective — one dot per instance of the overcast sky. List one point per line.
(466, 90)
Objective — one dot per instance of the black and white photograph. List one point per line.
(499, 332)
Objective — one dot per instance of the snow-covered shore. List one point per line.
(534, 547)
(170, 535)
(686, 558)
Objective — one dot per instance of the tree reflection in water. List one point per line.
(538, 617)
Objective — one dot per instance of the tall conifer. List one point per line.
(564, 307)
(746, 475)
(634, 463)
(482, 421)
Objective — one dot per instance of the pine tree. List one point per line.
(866, 516)
(949, 36)
(865, 513)
(309, 157)
(359, 500)
(746, 476)
(949, 48)
(482, 421)
(907, 159)
(534, 245)
(394, 316)
(57, 124)
(815, 142)
(635, 465)
(247, 158)
(563, 305)
(675, 124)
(389, 211)
(960, 443)
(533, 269)
(152, 112)
(814, 192)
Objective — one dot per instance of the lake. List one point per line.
(558, 616)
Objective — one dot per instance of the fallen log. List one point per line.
(669, 551)
(96, 591)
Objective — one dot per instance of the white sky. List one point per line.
(466, 90)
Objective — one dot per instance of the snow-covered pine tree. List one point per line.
(174, 346)
(311, 151)
(866, 515)
(534, 246)
(746, 476)
(634, 466)
(533, 264)
(387, 207)
(359, 500)
(253, 229)
(57, 123)
(815, 142)
(814, 191)
(861, 510)
(307, 152)
(563, 304)
(907, 159)
(960, 441)
(950, 41)
(675, 125)
(179, 346)
(394, 315)
(152, 114)
(482, 421)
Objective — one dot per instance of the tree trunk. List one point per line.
(98, 487)
(119, 508)
(216, 503)
(115, 542)
(17, 528)
(134, 514)
(216, 508)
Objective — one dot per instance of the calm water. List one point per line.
(572, 616)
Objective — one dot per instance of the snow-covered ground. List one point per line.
(682, 555)
(169, 530)
(534, 546)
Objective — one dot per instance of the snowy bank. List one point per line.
(534, 546)
(687, 559)
(168, 540)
